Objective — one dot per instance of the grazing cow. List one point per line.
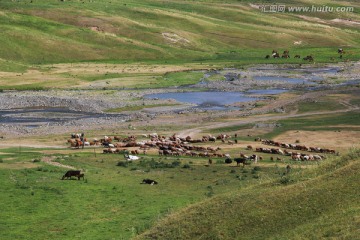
(72, 173)
(254, 158)
(81, 175)
(117, 138)
(308, 58)
(341, 51)
(241, 160)
(134, 152)
(276, 55)
(249, 147)
(149, 181)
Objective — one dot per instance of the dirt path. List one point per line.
(49, 160)
(31, 145)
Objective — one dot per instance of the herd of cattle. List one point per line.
(178, 146)
(294, 155)
(310, 58)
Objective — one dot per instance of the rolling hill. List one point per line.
(42, 32)
(321, 203)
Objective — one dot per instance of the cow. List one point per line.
(297, 56)
(241, 160)
(308, 58)
(276, 55)
(72, 173)
(149, 181)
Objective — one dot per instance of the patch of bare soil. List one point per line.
(49, 160)
(325, 139)
(346, 21)
(174, 38)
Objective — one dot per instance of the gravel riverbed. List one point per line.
(90, 107)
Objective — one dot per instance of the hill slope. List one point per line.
(42, 31)
(324, 202)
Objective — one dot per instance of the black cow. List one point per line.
(73, 173)
(241, 160)
(149, 181)
(308, 58)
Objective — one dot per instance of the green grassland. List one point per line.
(37, 35)
(112, 204)
(40, 32)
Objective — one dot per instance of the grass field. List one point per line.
(43, 32)
(111, 202)
(43, 42)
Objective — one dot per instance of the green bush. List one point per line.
(257, 168)
(286, 180)
(122, 164)
(228, 161)
(186, 166)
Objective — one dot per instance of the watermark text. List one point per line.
(277, 8)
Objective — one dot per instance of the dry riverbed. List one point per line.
(59, 111)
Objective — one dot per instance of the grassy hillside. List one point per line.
(41, 31)
(319, 203)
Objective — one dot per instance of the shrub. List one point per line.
(228, 161)
(186, 166)
(286, 180)
(176, 163)
(210, 192)
(257, 168)
(122, 164)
